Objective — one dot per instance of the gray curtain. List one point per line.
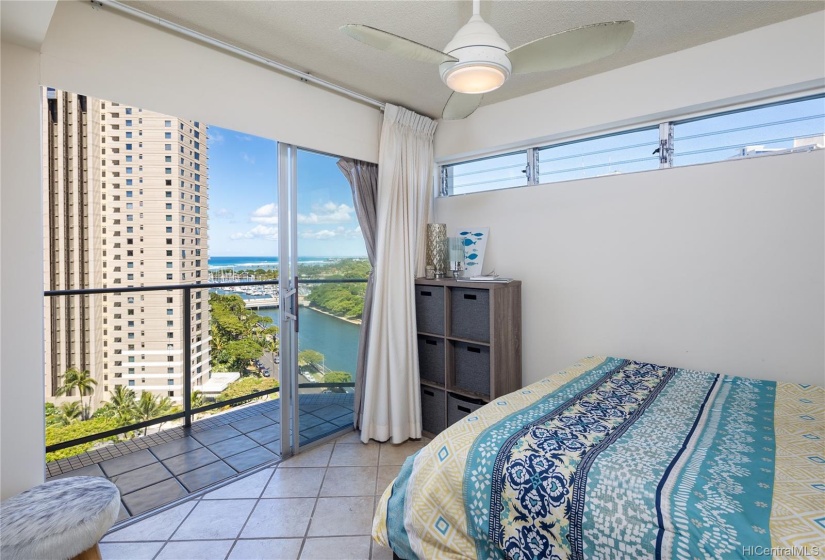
(363, 178)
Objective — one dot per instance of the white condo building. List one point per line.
(125, 205)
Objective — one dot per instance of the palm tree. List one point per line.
(197, 399)
(124, 402)
(83, 382)
(70, 412)
(151, 406)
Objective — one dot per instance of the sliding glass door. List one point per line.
(328, 268)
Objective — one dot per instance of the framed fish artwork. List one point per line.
(474, 241)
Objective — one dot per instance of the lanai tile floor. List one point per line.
(317, 505)
(161, 468)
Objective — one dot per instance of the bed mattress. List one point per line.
(613, 458)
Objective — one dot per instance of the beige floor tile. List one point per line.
(396, 454)
(355, 455)
(339, 548)
(380, 552)
(130, 551)
(195, 550)
(386, 474)
(351, 437)
(215, 519)
(247, 487)
(349, 481)
(279, 518)
(317, 457)
(342, 517)
(266, 549)
(158, 527)
(295, 483)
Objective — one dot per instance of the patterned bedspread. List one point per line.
(619, 459)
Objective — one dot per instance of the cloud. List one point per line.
(266, 214)
(244, 137)
(338, 232)
(216, 137)
(248, 159)
(258, 232)
(328, 213)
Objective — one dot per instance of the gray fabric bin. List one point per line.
(470, 314)
(431, 358)
(429, 309)
(433, 415)
(472, 367)
(458, 407)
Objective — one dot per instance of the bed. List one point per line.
(613, 458)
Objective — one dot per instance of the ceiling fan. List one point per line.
(478, 60)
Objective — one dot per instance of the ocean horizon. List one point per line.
(266, 262)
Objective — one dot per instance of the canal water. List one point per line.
(336, 339)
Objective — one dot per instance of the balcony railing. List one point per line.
(188, 411)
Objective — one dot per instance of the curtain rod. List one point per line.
(123, 8)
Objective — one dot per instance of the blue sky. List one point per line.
(243, 198)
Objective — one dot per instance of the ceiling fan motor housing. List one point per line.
(482, 59)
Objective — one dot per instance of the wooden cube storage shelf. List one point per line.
(469, 343)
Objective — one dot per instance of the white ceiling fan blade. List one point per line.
(571, 48)
(461, 105)
(395, 44)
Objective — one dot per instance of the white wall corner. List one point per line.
(22, 429)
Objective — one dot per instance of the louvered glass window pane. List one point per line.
(772, 129)
(606, 155)
(497, 172)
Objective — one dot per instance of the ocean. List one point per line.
(266, 263)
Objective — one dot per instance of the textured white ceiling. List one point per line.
(304, 34)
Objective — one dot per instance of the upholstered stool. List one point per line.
(58, 520)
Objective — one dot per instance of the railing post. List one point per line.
(187, 357)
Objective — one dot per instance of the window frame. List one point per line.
(442, 170)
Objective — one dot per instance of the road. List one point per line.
(268, 360)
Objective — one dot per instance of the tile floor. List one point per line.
(158, 469)
(317, 505)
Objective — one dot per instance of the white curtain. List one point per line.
(392, 401)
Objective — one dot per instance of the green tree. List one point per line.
(197, 399)
(83, 382)
(124, 405)
(242, 353)
(70, 412)
(247, 386)
(342, 300)
(58, 434)
(309, 357)
(53, 417)
(152, 406)
(337, 377)
(239, 335)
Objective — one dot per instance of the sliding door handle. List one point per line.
(296, 303)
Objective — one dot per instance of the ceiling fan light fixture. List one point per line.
(475, 78)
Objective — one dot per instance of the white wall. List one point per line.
(21, 275)
(719, 267)
(100, 53)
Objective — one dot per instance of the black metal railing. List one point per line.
(188, 412)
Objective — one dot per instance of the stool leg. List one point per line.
(92, 553)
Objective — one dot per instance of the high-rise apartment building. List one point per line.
(126, 202)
